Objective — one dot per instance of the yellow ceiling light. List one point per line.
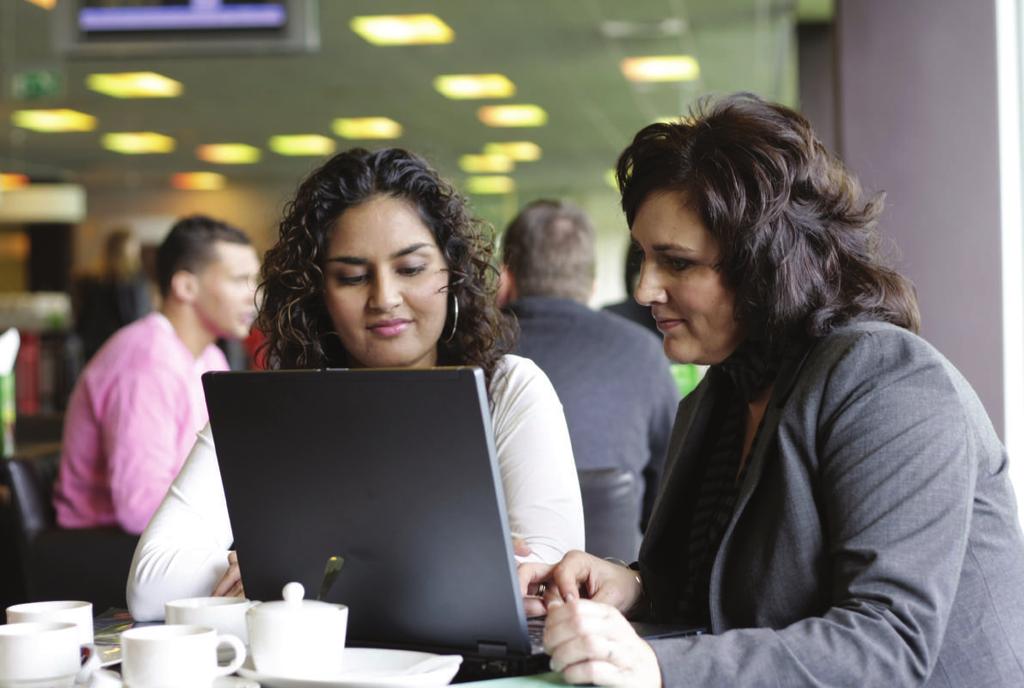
(9, 180)
(513, 115)
(490, 184)
(676, 119)
(198, 181)
(134, 85)
(137, 142)
(362, 128)
(486, 164)
(402, 29)
(470, 86)
(301, 144)
(228, 153)
(661, 68)
(45, 4)
(51, 121)
(520, 151)
(611, 179)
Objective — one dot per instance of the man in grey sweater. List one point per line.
(611, 374)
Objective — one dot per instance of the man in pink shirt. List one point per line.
(136, 408)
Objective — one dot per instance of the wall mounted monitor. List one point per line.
(184, 28)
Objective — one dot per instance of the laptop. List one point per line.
(395, 471)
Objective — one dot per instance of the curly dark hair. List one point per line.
(293, 314)
(798, 239)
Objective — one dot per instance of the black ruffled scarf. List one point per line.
(751, 369)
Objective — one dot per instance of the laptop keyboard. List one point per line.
(535, 629)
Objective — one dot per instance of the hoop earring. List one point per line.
(455, 319)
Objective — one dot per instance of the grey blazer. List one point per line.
(875, 539)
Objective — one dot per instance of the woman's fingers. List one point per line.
(551, 594)
(578, 618)
(582, 648)
(578, 575)
(534, 606)
(237, 590)
(590, 642)
(231, 579)
(532, 585)
(574, 570)
(531, 577)
(227, 582)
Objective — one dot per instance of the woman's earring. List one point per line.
(455, 318)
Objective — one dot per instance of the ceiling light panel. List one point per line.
(198, 181)
(362, 128)
(688, 120)
(611, 179)
(135, 85)
(519, 151)
(10, 180)
(301, 144)
(229, 153)
(661, 68)
(474, 86)
(513, 115)
(137, 142)
(53, 121)
(403, 29)
(490, 184)
(486, 163)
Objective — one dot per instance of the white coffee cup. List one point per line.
(175, 656)
(44, 653)
(69, 611)
(222, 614)
(297, 638)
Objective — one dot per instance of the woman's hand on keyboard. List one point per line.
(578, 575)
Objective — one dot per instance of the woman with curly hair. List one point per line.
(378, 264)
(836, 508)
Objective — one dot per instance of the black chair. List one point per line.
(612, 505)
(62, 564)
(37, 429)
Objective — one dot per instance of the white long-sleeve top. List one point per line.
(183, 551)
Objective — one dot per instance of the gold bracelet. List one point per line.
(636, 576)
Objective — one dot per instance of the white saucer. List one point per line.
(43, 682)
(109, 679)
(372, 668)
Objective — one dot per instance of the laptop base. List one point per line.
(479, 668)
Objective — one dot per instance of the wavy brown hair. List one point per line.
(293, 314)
(798, 238)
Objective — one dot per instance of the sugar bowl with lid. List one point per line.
(297, 638)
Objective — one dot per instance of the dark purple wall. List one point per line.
(917, 118)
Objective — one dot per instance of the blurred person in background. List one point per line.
(837, 508)
(138, 404)
(118, 296)
(610, 374)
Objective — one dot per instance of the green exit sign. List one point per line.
(34, 84)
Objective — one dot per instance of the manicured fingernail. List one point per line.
(554, 604)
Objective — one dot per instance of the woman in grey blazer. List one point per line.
(836, 510)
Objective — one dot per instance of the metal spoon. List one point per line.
(331, 571)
